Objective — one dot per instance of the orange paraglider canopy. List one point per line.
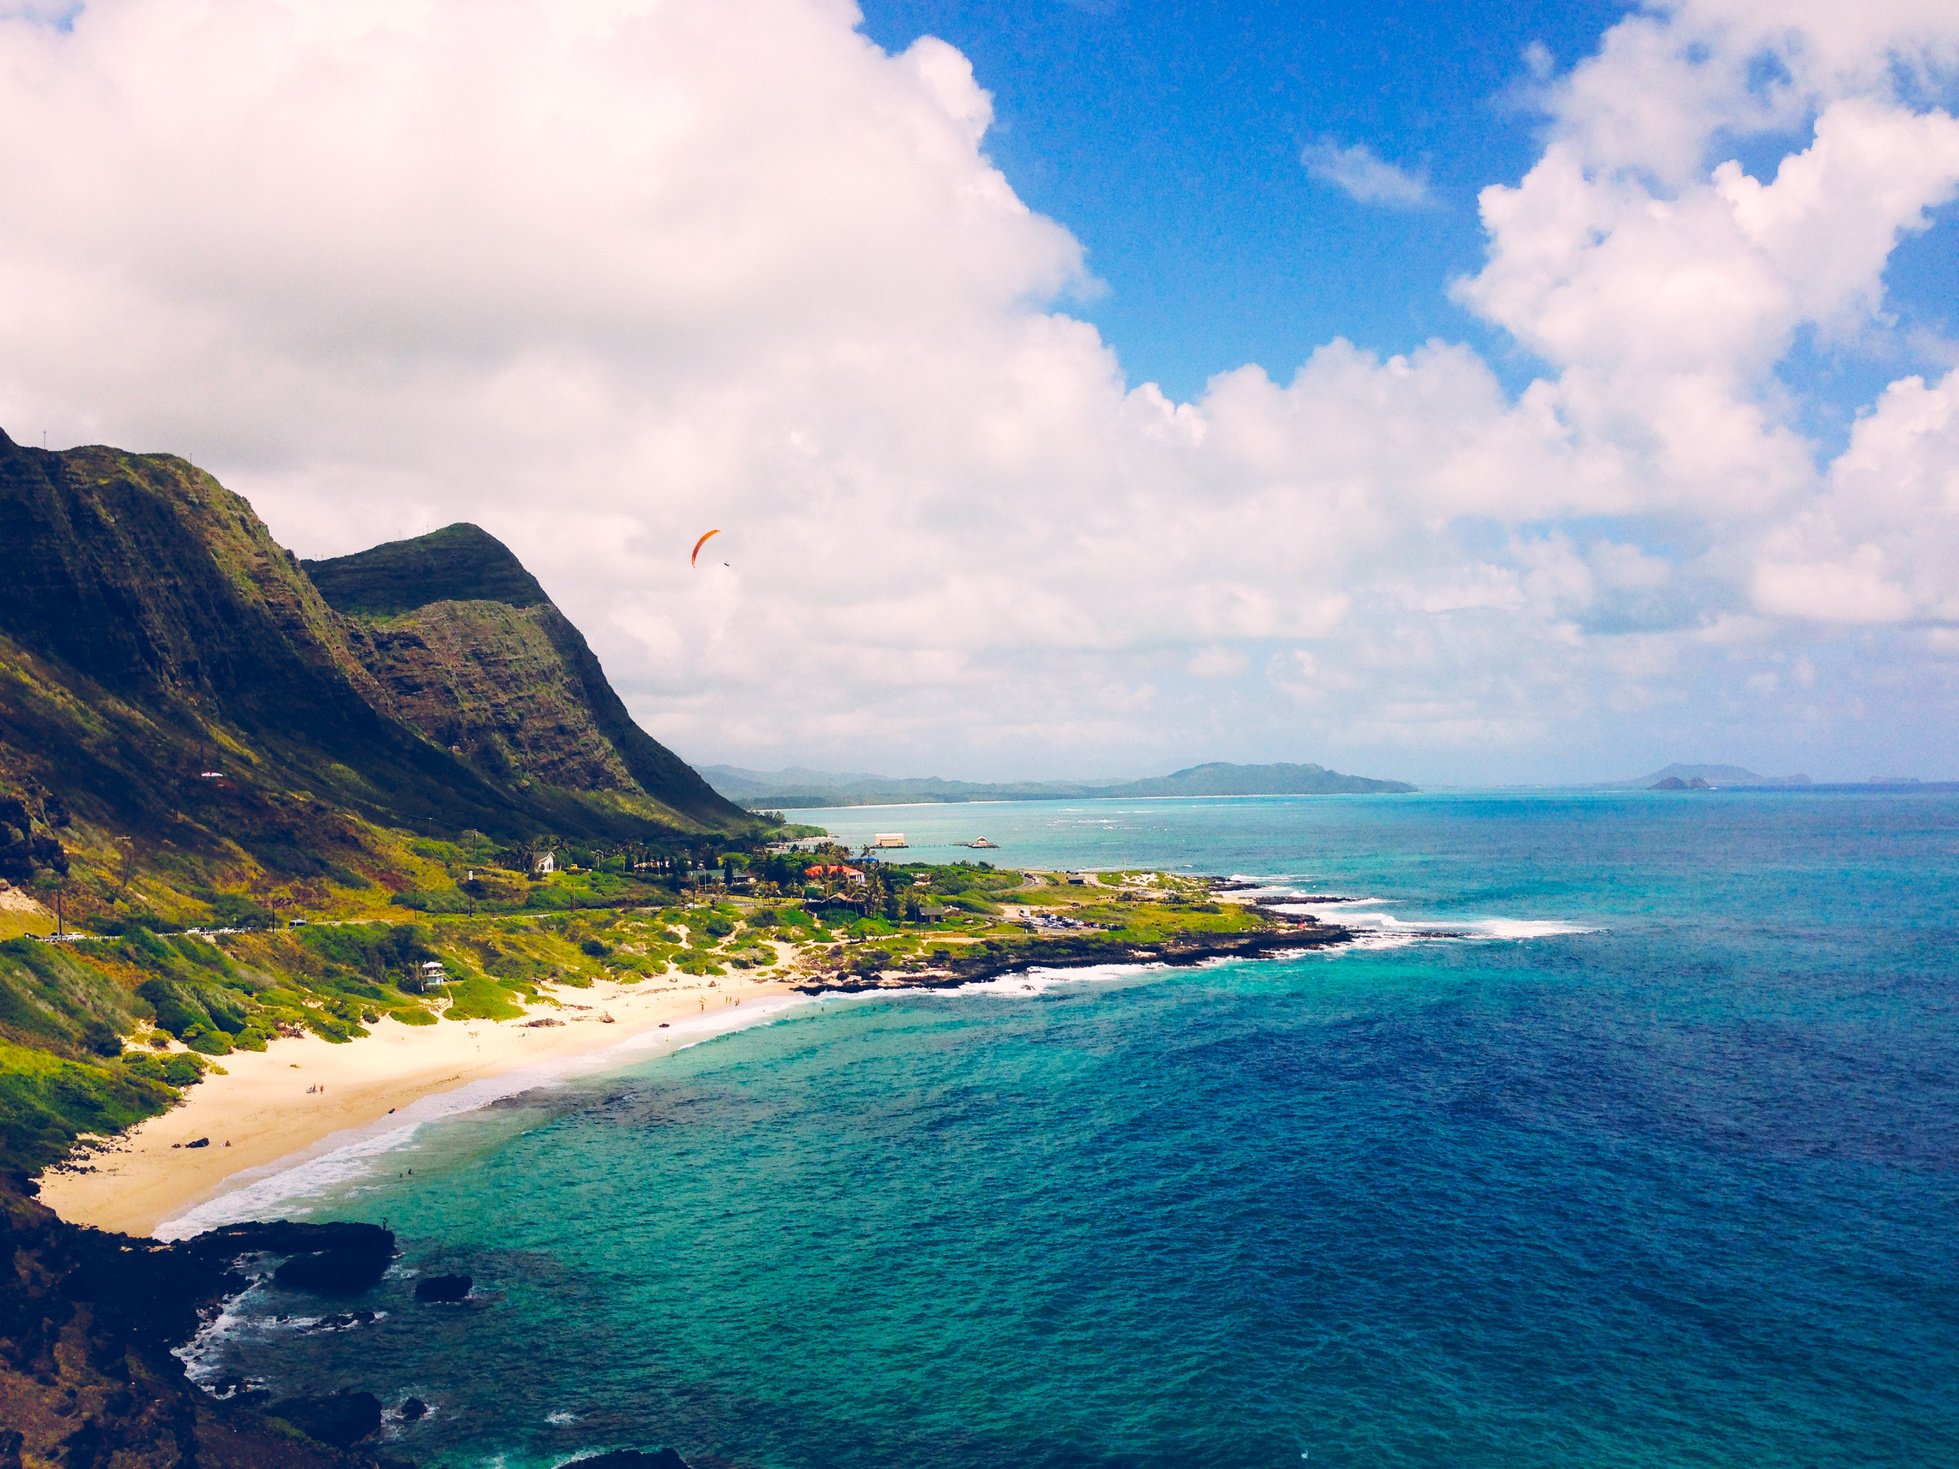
(694, 560)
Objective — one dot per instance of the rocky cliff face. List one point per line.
(475, 655)
(167, 670)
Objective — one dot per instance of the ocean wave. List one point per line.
(1023, 983)
(200, 1354)
(1287, 887)
(1375, 930)
(1526, 928)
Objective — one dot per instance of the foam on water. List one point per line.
(1026, 982)
(1376, 927)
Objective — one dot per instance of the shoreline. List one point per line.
(1300, 933)
(259, 1117)
(271, 1113)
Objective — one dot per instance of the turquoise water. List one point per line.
(1672, 1181)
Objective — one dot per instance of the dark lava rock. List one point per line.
(442, 1287)
(628, 1459)
(342, 1419)
(198, 1142)
(413, 1410)
(336, 1262)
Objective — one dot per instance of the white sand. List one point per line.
(261, 1111)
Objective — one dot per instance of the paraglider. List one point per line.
(695, 559)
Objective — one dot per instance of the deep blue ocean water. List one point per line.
(1672, 1181)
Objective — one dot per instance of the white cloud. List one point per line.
(1217, 662)
(1881, 543)
(602, 276)
(1362, 174)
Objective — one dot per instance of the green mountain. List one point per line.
(178, 694)
(474, 655)
(1218, 779)
(797, 787)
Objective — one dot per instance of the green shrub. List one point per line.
(177, 1069)
(45, 1101)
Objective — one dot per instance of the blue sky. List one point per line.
(1168, 137)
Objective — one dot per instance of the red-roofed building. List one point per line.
(834, 869)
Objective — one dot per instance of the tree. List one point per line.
(49, 883)
(125, 866)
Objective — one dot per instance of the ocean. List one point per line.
(1628, 1136)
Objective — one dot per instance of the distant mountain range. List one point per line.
(798, 788)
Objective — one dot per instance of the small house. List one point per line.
(889, 839)
(931, 912)
(851, 875)
(543, 864)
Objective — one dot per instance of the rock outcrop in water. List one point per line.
(443, 1287)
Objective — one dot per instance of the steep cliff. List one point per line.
(151, 630)
(170, 674)
(475, 655)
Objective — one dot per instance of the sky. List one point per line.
(1470, 395)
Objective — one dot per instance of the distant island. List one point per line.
(1679, 777)
(781, 790)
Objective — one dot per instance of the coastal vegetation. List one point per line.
(103, 1029)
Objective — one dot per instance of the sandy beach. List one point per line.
(294, 1099)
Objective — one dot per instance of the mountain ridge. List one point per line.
(797, 787)
(476, 655)
(173, 679)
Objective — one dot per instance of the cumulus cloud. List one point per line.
(601, 276)
(1880, 544)
(1362, 174)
